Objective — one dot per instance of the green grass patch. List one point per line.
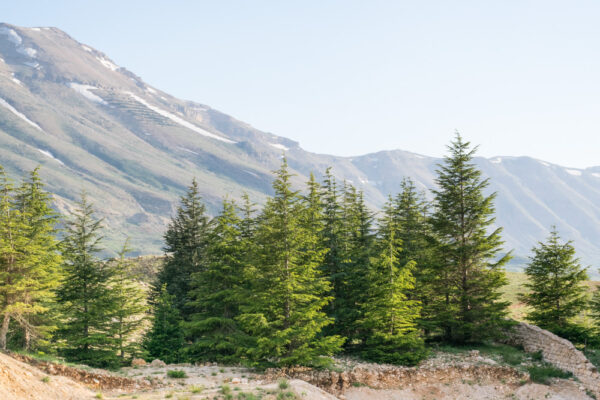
(176, 374)
(543, 374)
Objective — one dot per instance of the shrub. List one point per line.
(543, 374)
(283, 384)
(177, 374)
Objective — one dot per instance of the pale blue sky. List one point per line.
(351, 77)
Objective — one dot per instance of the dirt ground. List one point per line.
(20, 381)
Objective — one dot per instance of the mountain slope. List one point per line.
(97, 127)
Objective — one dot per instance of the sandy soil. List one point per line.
(558, 390)
(20, 381)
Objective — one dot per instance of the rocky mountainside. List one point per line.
(95, 126)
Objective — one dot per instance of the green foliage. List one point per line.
(543, 374)
(185, 249)
(85, 295)
(469, 270)
(129, 305)
(218, 290)
(411, 212)
(556, 294)
(176, 374)
(285, 311)
(164, 340)
(29, 260)
(389, 315)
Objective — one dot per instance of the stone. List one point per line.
(158, 363)
(138, 362)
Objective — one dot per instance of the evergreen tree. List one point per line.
(356, 243)
(411, 212)
(85, 295)
(285, 314)
(471, 273)
(185, 248)
(29, 259)
(557, 293)
(164, 341)
(129, 304)
(217, 292)
(331, 237)
(389, 315)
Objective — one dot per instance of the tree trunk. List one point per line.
(4, 331)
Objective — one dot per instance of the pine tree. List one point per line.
(85, 294)
(331, 237)
(129, 304)
(389, 315)
(164, 341)
(29, 259)
(285, 314)
(557, 293)
(411, 212)
(185, 247)
(470, 270)
(217, 292)
(356, 242)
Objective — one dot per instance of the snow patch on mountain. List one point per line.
(14, 38)
(279, 146)
(596, 174)
(50, 155)
(149, 89)
(27, 51)
(12, 35)
(545, 164)
(36, 29)
(108, 64)
(187, 150)
(574, 172)
(496, 160)
(13, 110)
(178, 120)
(86, 48)
(84, 90)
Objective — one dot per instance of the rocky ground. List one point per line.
(462, 375)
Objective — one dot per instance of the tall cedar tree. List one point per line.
(217, 292)
(29, 258)
(471, 272)
(85, 295)
(43, 252)
(331, 237)
(129, 304)
(557, 293)
(164, 340)
(285, 313)
(185, 249)
(356, 247)
(411, 212)
(389, 315)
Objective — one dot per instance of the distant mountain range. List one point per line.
(95, 126)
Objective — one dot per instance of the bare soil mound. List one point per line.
(19, 381)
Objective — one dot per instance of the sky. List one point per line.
(348, 77)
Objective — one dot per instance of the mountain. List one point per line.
(95, 126)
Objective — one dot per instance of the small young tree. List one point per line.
(129, 304)
(164, 341)
(85, 295)
(555, 283)
(389, 315)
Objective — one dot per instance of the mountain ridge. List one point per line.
(96, 126)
